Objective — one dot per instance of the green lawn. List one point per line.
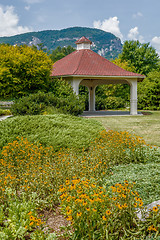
(146, 126)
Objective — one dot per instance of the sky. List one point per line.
(127, 19)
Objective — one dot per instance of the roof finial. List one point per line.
(83, 43)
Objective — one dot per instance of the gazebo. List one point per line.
(87, 68)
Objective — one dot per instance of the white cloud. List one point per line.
(137, 15)
(9, 22)
(156, 44)
(109, 25)
(27, 7)
(134, 35)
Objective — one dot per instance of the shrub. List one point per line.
(58, 130)
(114, 103)
(37, 103)
(109, 103)
(5, 112)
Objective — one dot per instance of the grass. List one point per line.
(58, 131)
(146, 126)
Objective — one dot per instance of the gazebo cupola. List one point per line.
(87, 68)
(83, 43)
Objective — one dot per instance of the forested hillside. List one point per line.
(104, 43)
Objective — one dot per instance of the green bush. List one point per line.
(5, 112)
(114, 103)
(59, 130)
(38, 103)
(149, 92)
(109, 103)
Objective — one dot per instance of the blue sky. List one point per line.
(127, 19)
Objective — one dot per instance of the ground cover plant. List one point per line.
(35, 177)
(58, 130)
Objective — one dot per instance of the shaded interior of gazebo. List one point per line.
(87, 68)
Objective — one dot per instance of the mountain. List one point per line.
(104, 43)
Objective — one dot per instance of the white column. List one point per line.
(75, 85)
(133, 97)
(92, 98)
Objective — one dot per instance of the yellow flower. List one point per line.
(149, 228)
(155, 209)
(140, 204)
(84, 203)
(79, 214)
(113, 189)
(32, 218)
(38, 221)
(114, 198)
(137, 199)
(154, 229)
(118, 190)
(104, 218)
(69, 211)
(123, 195)
(125, 205)
(69, 218)
(120, 206)
(108, 212)
(31, 223)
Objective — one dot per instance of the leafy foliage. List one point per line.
(149, 92)
(125, 64)
(59, 53)
(22, 70)
(38, 103)
(142, 57)
(5, 112)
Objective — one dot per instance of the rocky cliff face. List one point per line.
(104, 43)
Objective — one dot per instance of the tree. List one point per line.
(149, 92)
(59, 53)
(23, 70)
(141, 56)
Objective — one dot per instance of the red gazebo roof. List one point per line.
(85, 62)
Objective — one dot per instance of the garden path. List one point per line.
(107, 113)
